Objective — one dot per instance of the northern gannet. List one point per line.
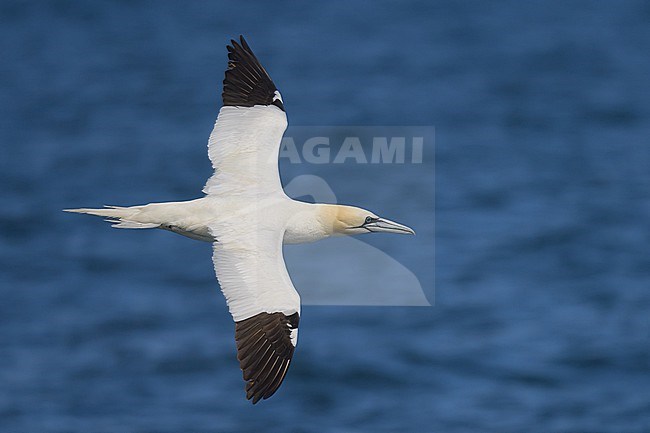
(247, 216)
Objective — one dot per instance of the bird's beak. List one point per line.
(387, 226)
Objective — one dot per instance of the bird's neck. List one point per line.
(311, 222)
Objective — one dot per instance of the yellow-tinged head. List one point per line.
(349, 220)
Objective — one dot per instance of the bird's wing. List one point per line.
(245, 141)
(262, 300)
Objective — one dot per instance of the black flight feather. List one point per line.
(247, 83)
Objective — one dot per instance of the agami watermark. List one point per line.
(382, 150)
(322, 274)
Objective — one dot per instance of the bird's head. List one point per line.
(349, 220)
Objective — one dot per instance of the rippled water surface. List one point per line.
(541, 316)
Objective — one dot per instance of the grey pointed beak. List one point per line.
(387, 226)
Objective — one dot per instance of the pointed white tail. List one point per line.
(120, 217)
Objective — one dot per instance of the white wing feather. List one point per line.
(250, 268)
(243, 148)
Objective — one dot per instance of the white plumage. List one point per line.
(243, 148)
(248, 217)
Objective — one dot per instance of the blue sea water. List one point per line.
(542, 274)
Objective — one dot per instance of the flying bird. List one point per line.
(247, 217)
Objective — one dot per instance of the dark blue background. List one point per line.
(542, 116)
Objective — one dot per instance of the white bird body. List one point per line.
(247, 216)
(202, 218)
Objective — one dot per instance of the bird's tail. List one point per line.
(120, 217)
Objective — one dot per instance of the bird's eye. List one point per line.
(369, 219)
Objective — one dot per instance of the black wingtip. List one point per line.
(246, 82)
(243, 43)
(264, 351)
